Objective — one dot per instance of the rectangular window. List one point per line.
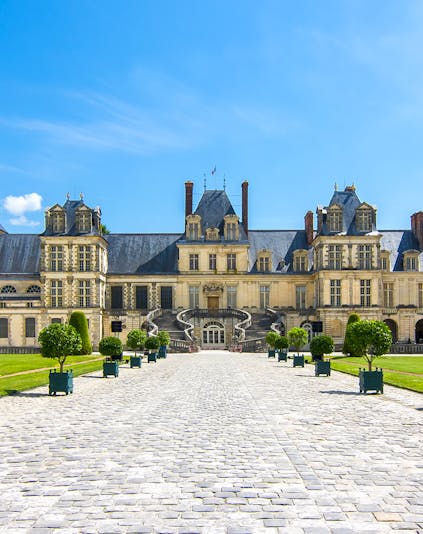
(194, 296)
(84, 222)
(231, 231)
(30, 327)
(4, 327)
(231, 262)
(420, 295)
(300, 297)
(141, 298)
(56, 320)
(384, 263)
(264, 297)
(56, 292)
(56, 258)
(193, 231)
(364, 257)
(58, 223)
(365, 292)
(411, 264)
(388, 295)
(193, 262)
(166, 297)
(335, 292)
(264, 264)
(212, 262)
(84, 293)
(117, 297)
(335, 221)
(85, 258)
(231, 293)
(335, 257)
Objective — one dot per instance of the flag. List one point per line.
(214, 170)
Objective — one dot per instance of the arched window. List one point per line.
(8, 289)
(34, 289)
(213, 333)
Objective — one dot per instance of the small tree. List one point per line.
(58, 341)
(271, 338)
(281, 343)
(136, 340)
(80, 323)
(152, 343)
(321, 345)
(371, 339)
(347, 348)
(164, 338)
(297, 337)
(110, 346)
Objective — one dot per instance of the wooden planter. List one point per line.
(321, 368)
(135, 361)
(282, 356)
(298, 360)
(371, 381)
(60, 382)
(271, 353)
(110, 368)
(152, 357)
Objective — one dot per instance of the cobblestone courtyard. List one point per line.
(213, 443)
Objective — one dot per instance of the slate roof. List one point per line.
(70, 207)
(397, 242)
(281, 243)
(3, 229)
(19, 253)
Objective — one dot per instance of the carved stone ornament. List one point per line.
(213, 288)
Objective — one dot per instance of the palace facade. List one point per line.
(314, 277)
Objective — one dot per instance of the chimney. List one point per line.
(245, 205)
(188, 198)
(417, 227)
(308, 224)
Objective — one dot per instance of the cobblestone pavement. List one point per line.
(212, 443)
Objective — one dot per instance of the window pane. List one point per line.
(117, 297)
(30, 327)
(4, 327)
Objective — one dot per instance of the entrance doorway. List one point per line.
(213, 303)
(392, 325)
(213, 335)
(419, 331)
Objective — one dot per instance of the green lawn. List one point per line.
(15, 363)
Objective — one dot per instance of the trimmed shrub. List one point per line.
(136, 340)
(271, 338)
(321, 345)
(164, 338)
(281, 343)
(80, 323)
(58, 341)
(347, 348)
(152, 343)
(297, 337)
(371, 339)
(110, 346)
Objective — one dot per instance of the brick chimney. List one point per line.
(188, 198)
(245, 205)
(308, 225)
(417, 227)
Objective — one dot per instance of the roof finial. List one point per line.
(67, 196)
(205, 182)
(81, 196)
(224, 182)
(353, 186)
(336, 186)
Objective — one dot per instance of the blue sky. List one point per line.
(125, 101)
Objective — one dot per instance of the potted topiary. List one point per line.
(136, 341)
(164, 340)
(319, 346)
(58, 341)
(281, 345)
(80, 323)
(152, 344)
(110, 347)
(297, 337)
(271, 338)
(371, 339)
(347, 348)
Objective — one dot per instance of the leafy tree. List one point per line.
(281, 343)
(110, 346)
(164, 338)
(104, 230)
(271, 338)
(321, 345)
(80, 323)
(347, 348)
(297, 337)
(370, 338)
(136, 340)
(152, 343)
(58, 341)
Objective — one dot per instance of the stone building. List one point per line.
(218, 271)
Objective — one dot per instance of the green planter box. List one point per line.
(270, 353)
(60, 382)
(135, 361)
(298, 360)
(110, 368)
(321, 368)
(152, 357)
(371, 381)
(282, 356)
(162, 352)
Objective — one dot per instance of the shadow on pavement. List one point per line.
(339, 392)
(17, 393)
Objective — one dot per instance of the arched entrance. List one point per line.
(419, 331)
(213, 335)
(393, 327)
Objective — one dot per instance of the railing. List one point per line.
(240, 327)
(152, 328)
(188, 328)
(406, 348)
(182, 345)
(19, 350)
(254, 345)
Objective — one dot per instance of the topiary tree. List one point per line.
(80, 323)
(271, 338)
(110, 346)
(297, 337)
(370, 338)
(152, 343)
(321, 345)
(281, 343)
(136, 340)
(347, 348)
(164, 338)
(58, 341)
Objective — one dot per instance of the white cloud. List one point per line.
(21, 204)
(23, 221)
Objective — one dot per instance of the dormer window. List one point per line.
(364, 219)
(231, 230)
(264, 263)
(212, 234)
(58, 222)
(84, 221)
(300, 261)
(193, 231)
(385, 260)
(411, 260)
(334, 219)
